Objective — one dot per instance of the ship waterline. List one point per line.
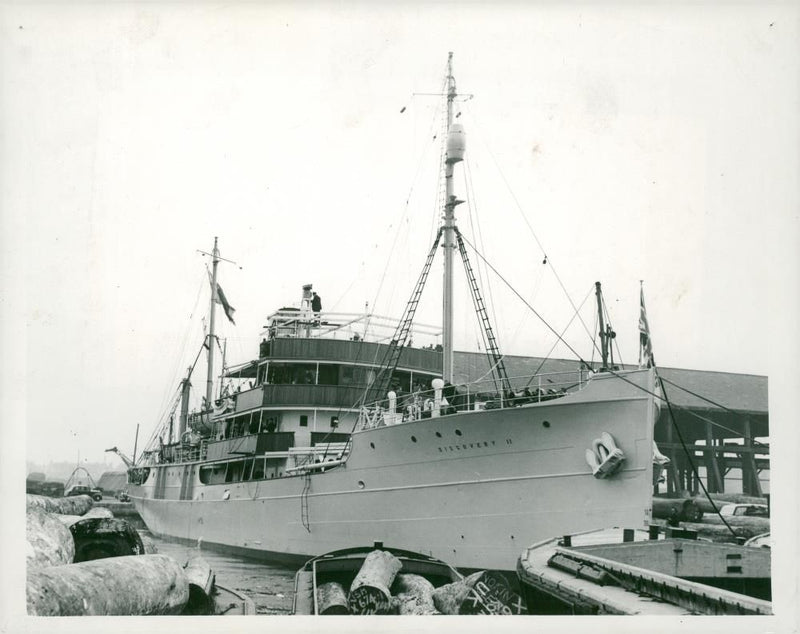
(471, 488)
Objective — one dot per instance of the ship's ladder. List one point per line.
(304, 501)
(401, 335)
(499, 368)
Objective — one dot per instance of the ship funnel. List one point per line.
(456, 143)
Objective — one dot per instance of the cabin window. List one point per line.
(258, 469)
(234, 472)
(213, 474)
(253, 426)
(328, 374)
(348, 374)
(270, 424)
(292, 374)
(303, 420)
(248, 468)
(334, 421)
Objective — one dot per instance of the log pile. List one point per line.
(380, 587)
(683, 510)
(50, 543)
(132, 585)
(369, 593)
(74, 505)
(94, 564)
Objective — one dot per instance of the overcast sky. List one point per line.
(656, 143)
(631, 143)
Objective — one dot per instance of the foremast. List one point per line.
(454, 154)
(211, 334)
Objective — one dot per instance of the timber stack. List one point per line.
(82, 561)
(381, 586)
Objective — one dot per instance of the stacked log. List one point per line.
(74, 505)
(331, 599)
(712, 527)
(369, 592)
(200, 578)
(684, 510)
(448, 598)
(413, 595)
(100, 537)
(50, 543)
(149, 545)
(133, 585)
(96, 565)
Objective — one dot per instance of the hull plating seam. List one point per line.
(254, 498)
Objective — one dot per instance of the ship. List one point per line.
(342, 432)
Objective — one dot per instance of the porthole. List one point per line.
(438, 435)
(458, 432)
(372, 444)
(546, 423)
(361, 484)
(413, 439)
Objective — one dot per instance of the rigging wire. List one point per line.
(473, 209)
(707, 400)
(165, 399)
(547, 257)
(686, 450)
(553, 347)
(613, 339)
(524, 301)
(422, 159)
(689, 457)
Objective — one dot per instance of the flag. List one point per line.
(646, 359)
(221, 299)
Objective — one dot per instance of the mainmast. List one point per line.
(455, 153)
(210, 340)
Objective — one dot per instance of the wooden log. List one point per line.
(686, 510)
(712, 527)
(95, 511)
(492, 594)
(369, 592)
(73, 505)
(448, 598)
(134, 585)
(201, 586)
(98, 511)
(149, 545)
(101, 537)
(50, 543)
(707, 508)
(331, 599)
(413, 595)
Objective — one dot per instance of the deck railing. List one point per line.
(478, 395)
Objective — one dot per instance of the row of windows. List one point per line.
(242, 470)
(335, 374)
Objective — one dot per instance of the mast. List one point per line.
(452, 157)
(184, 417)
(601, 324)
(210, 340)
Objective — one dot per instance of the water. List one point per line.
(270, 586)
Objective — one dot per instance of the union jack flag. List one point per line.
(646, 358)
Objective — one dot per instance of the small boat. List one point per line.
(342, 566)
(626, 571)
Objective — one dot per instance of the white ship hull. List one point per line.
(473, 489)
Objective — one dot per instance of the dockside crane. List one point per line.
(128, 462)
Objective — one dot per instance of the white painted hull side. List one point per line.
(473, 489)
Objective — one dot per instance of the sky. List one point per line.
(625, 142)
